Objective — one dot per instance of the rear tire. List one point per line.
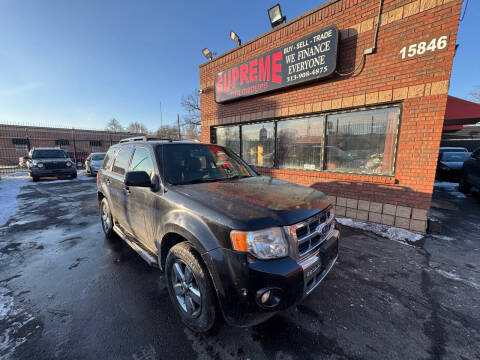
(106, 218)
(74, 176)
(190, 287)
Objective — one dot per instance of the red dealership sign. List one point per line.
(310, 58)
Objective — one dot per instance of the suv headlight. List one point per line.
(263, 244)
(40, 165)
(69, 163)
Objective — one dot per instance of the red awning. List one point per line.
(459, 109)
(447, 128)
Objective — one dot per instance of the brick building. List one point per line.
(368, 133)
(15, 141)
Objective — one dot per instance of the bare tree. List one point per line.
(475, 95)
(137, 128)
(168, 132)
(191, 105)
(114, 125)
(190, 131)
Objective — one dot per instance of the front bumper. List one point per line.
(240, 280)
(42, 172)
(92, 170)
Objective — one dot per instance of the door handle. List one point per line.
(127, 190)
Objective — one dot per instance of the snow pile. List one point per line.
(9, 189)
(15, 319)
(396, 234)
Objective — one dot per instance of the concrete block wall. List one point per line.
(388, 214)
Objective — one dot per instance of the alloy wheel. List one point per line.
(186, 289)
(105, 216)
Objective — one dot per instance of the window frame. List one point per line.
(128, 161)
(324, 116)
(274, 161)
(152, 157)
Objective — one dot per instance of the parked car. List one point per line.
(94, 162)
(471, 173)
(48, 162)
(451, 149)
(22, 162)
(231, 242)
(449, 167)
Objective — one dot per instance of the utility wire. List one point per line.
(361, 63)
(372, 50)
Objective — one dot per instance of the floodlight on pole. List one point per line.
(275, 15)
(235, 38)
(207, 53)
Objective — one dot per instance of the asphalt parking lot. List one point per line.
(68, 293)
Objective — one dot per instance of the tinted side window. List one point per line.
(142, 161)
(107, 162)
(476, 154)
(121, 161)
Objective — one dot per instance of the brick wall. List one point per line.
(420, 84)
(73, 141)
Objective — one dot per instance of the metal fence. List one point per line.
(17, 140)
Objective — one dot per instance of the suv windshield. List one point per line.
(49, 154)
(97, 157)
(455, 156)
(195, 163)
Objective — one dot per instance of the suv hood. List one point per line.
(257, 202)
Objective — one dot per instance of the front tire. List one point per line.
(35, 178)
(106, 218)
(190, 288)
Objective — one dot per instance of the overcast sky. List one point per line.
(81, 63)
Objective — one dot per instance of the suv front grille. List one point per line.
(54, 165)
(311, 232)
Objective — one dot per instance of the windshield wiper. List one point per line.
(198, 181)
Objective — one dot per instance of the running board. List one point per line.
(151, 260)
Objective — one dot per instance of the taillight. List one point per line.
(98, 176)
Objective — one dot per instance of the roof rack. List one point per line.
(144, 138)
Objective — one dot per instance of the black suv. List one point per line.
(227, 238)
(48, 162)
(471, 173)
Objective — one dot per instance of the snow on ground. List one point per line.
(396, 234)
(10, 187)
(15, 318)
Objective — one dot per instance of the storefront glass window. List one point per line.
(229, 136)
(258, 144)
(357, 142)
(299, 143)
(362, 141)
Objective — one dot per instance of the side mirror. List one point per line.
(27, 158)
(137, 178)
(157, 184)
